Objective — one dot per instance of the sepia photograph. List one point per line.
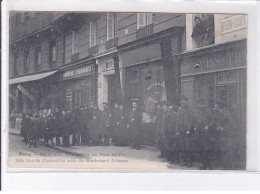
(127, 91)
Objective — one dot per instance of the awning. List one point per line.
(29, 78)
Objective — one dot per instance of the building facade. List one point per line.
(67, 59)
(214, 66)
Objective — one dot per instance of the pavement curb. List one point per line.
(74, 153)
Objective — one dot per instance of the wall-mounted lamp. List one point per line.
(196, 66)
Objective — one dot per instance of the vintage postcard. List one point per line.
(127, 90)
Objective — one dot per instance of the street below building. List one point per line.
(84, 157)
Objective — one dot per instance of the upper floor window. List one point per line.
(38, 56)
(26, 61)
(144, 19)
(110, 26)
(16, 60)
(75, 42)
(203, 31)
(93, 33)
(52, 52)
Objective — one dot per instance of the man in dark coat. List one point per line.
(170, 132)
(34, 130)
(83, 125)
(185, 123)
(57, 125)
(94, 126)
(75, 125)
(162, 143)
(115, 118)
(159, 114)
(49, 129)
(105, 124)
(122, 133)
(204, 125)
(226, 137)
(66, 121)
(134, 124)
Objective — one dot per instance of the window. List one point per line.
(203, 32)
(144, 19)
(15, 68)
(75, 42)
(26, 61)
(205, 90)
(38, 57)
(52, 53)
(93, 33)
(110, 26)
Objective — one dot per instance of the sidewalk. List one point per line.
(145, 157)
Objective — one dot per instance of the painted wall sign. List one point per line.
(224, 59)
(77, 72)
(233, 23)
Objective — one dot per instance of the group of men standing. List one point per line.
(183, 135)
(84, 126)
(187, 134)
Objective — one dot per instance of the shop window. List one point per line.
(75, 42)
(153, 91)
(26, 61)
(205, 90)
(203, 31)
(52, 53)
(76, 97)
(144, 19)
(93, 33)
(16, 60)
(38, 57)
(110, 26)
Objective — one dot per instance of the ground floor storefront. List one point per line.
(218, 74)
(77, 86)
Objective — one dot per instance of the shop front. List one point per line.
(31, 93)
(78, 87)
(143, 79)
(218, 73)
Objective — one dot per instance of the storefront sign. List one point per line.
(77, 72)
(224, 59)
(25, 92)
(233, 23)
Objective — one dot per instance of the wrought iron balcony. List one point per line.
(92, 50)
(144, 31)
(111, 43)
(75, 57)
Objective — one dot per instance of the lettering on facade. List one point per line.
(77, 72)
(215, 61)
(233, 23)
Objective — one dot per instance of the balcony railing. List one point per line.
(111, 43)
(144, 31)
(92, 50)
(75, 57)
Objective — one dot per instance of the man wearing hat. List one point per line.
(204, 125)
(105, 124)
(94, 126)
(115, 118)
(185, 123)
(134, 125)
(225, 131)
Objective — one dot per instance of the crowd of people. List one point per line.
(86, 126)
(198, 134)
(182, 135)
